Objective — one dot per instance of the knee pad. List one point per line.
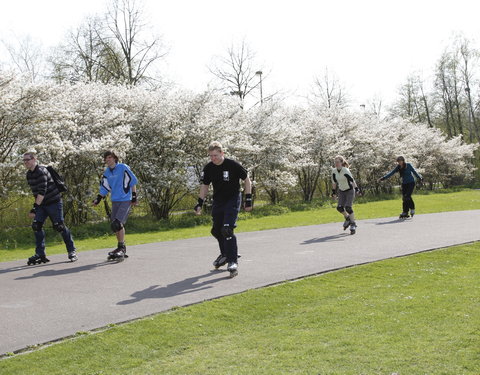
(227, 231)
(216, 233)
(116, 226)
(59, 227)
(37, 226)
(349, 210)
(340, 209)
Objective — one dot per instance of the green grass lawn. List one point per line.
(429, 203)
(413, 315)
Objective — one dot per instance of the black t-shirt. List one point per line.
(225, 179)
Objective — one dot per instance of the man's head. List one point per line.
(215, 152)
(30, 160)
(110, 158)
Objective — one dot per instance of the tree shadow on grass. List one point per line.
(335, 237)
(190, 285)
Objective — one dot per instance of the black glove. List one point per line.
(134, 197)
(334, 192)
(357, 190)
(199, 204)
(248, 200)
(34, 209)
(97, 199)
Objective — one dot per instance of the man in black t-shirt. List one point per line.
(225, 175)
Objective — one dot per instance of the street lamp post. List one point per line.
(259, 73)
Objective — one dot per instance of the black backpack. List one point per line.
(57, 179)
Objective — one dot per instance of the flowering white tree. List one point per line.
(170, 136)
(75, 125)
(19, 104)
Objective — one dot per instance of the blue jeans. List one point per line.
(55, 212)
(226, 213)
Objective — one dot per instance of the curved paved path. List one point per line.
(46, 302)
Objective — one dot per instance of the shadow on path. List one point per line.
(335, 237)
(395, 221)
(180, 287)
(25, 267)
(66, 271)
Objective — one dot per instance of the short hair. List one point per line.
(401, 158)
(31, 155)
(215, 146)
(110, 153)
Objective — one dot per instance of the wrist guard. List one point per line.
(199, 204)
(34, 209)
(248, 200)
(97, 199)
(134, 196)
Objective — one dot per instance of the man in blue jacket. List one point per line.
(120, 182)
(408, 174)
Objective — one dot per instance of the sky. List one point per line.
(371, 46)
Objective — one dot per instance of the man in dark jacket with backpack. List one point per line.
(48, 203)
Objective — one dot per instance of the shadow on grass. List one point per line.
(186, 286)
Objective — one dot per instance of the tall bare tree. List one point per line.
(469, 58)
(114, 47)
(126, 23)
(26, 56)
(329, 92)
(237, 70)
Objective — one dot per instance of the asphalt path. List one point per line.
(42, 303)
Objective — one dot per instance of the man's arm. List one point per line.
(248, 194)
(248, 185)
(201, 198)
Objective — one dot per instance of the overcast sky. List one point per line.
(371, 45)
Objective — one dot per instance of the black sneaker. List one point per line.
(37, 259)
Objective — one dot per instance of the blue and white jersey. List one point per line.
(118, 182)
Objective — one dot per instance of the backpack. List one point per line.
(57, 179)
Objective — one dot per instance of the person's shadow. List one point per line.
(394, 221)
(65, 271)
(25, 267)
(189, 285)
(335, 237)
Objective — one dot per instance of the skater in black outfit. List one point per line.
(48, 204)
(225, 175)
(408, 174)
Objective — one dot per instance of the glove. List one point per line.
(34, 209)
(357, 190)
(248, 200)
(97, 199)
(199, 204)
(134, 197)
(334, 192)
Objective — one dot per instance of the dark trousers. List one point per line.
(55, 212)
(226, 214)
(407, 191)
